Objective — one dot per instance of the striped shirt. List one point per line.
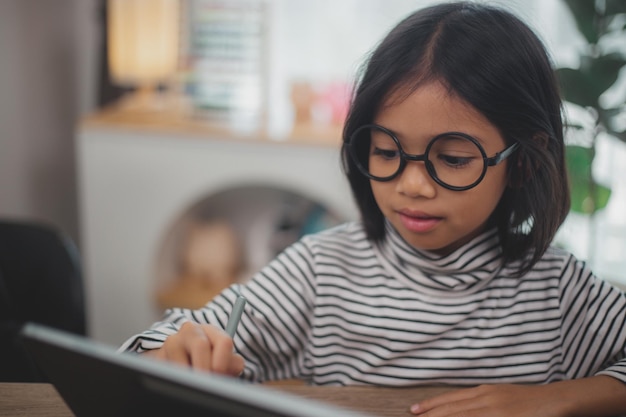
(336, 309)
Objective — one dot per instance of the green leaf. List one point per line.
(613, 7)
(606, 116)
(587, 196)
(585, 85)
(575, 87)
(604, 71)
(579, 159)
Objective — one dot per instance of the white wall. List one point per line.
(46, 82)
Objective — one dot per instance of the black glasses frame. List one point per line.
(404, 157)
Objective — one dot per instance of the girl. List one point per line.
(454, 151)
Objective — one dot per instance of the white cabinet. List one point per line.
(137, 175)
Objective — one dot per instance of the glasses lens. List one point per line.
(456, 160)
(375, 152)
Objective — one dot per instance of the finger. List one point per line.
(190, 347)
(222, 349)
(237, 365)
(443, 400)
(155, 353)
(174, 351)
(200, 349)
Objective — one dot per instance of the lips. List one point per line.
(418, 222)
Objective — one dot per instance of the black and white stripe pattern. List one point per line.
(335, 309)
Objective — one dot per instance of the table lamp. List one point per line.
(143, 46)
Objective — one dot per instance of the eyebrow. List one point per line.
(402, 139)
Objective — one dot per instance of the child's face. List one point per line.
(427, 215)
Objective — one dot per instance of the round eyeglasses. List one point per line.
(456, 161)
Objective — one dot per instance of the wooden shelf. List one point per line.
(185, 123)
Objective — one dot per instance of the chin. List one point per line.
(430, 246)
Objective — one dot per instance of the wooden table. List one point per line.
(22, 399)
(377, 401)
(35, 400)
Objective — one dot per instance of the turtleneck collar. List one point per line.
(462, 272)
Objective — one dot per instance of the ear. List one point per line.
(541, 140)
(519, 171)
(523, 167)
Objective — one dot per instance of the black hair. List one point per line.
(489, 58)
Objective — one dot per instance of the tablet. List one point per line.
(96, 380)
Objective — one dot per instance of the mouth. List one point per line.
(418, 222)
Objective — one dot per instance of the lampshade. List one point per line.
(143, 37)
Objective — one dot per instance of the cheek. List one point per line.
(482, 200)
(475, 205)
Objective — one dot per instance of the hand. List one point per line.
(201, 346)
(493, 400)
(599, 395)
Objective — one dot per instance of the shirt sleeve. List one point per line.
(594, 324)
(275, 325)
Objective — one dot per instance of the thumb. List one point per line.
(237, 365)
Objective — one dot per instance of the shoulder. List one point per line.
(556, 256)
(316, 254)
(345, 240)
(573, 274)
(554, 263)
(556, 269)
(347, 234)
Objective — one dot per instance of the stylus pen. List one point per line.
(235, 315)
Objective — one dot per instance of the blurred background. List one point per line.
(183, 143)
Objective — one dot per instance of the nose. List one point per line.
(415, 181)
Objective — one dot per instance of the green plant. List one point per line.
(603, 25)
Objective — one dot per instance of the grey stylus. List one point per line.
(235, 315)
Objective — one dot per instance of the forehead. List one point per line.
(432, 109)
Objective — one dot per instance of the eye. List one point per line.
(455, 161)
(386, 153)
(454, 152)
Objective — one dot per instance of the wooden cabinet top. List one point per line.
(187, 124)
